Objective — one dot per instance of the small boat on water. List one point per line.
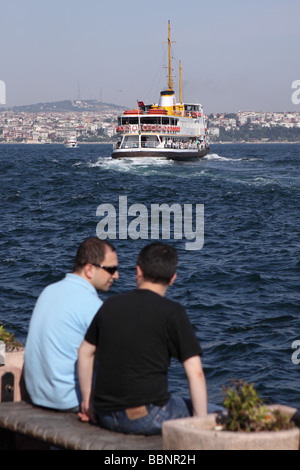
(71, 143)
(165, 130)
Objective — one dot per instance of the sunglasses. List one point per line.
(110, 269)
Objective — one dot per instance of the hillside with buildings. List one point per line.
(251, 126)
(93, 121)
(87, 121)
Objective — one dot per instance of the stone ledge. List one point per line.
(66, 431)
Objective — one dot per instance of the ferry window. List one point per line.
(129, 120)
(149, 141)
(131, 141)
(151, 120)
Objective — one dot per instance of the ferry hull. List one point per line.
(162, 154)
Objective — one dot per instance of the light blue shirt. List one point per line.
(62, 314)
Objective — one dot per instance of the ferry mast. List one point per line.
(170, 64)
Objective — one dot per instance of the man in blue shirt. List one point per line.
(62, 314)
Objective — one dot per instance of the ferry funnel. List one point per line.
(167, 99)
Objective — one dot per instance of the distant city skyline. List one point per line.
(235, 55)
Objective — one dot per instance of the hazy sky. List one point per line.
(236, 54)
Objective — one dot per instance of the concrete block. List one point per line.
(205, 434)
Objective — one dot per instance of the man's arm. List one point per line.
(86, 356)
(197, 385)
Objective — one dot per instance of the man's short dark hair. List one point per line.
(92, 250)
(158, 262)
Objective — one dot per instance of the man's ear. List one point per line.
(172, 280)
(87, 269)
(139, 272)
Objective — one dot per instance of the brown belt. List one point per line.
(137, 412)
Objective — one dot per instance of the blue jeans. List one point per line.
(150, 424)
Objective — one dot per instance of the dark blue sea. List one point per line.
(241, 290)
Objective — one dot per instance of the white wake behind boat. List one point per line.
(166, 130)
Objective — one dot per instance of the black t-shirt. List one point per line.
(136, 334)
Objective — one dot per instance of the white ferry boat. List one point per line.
(166, 130)
(71, 143)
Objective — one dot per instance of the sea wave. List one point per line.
(215, 156)
(130, 164)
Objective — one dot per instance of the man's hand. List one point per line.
(86, 414)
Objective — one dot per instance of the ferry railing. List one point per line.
(166, 145)
(150, 144)
(173, 145)
(134, 145)
(181, 145)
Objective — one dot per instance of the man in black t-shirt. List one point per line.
(133, 337)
